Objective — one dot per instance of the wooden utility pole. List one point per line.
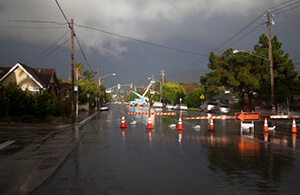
(271, 63)
(162, 82)
(162, 77)
(72, 65)
(97, 102)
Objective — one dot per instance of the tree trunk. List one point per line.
(246, 106)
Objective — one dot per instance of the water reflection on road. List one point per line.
(164, 160)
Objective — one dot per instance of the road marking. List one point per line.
(5, 144)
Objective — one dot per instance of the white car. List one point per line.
(157, 105)
(183, 107)
(169, 106)
(104, 107)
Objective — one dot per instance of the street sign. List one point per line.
(247, 116)
(202, 97)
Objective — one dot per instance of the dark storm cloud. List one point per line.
(192, 25)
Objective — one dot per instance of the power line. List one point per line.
(40, 27)
(83, 53)
(43, 54)
(281, 8)
(141, 41)
(49, 52)
(280, 4)
(288, 9)
(34, 21)
(84, 56)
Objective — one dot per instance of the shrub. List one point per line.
(28, 119)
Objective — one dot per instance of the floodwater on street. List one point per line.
(134, 160)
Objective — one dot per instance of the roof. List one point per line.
(41, 76)
(224, 96)
(3, 71)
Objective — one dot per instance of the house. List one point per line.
(32, 79)
(227, 98)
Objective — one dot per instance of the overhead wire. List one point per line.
(34, 21)
(43, 54)
(72, 29)
(219, 47)
(49, 52)
(141, 41)
(282, 8)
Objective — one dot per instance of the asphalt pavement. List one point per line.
(30, 153)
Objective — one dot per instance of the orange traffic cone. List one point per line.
(123, 124)
(266, 136)
(149, 124)
(266, 128)
(294, 138)
(294, 128)
(179, 135)
(211, 125)
(180, 124)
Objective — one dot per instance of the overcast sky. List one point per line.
(136, 39)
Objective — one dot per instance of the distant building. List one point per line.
(32, 79)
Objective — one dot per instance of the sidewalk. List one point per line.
(38, 150)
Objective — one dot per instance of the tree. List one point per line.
(285, 75)
(193, 99)
(89, 75)
(173, 92)
(87, 85)
(78, 69)
(246, 72)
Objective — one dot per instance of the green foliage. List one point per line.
(46, 104)
(244, 72)
(86, 86)
(173, 92)
(19, 105)
(193, 99)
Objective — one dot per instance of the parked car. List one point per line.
(157, 105)
(221, 109)
(183, 107)
(176, 107)
(170, 106)
(208, 106)
(180, 107)
(104, 107)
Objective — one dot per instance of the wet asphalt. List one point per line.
(36, 151)
(95, 156)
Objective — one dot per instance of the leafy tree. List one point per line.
(173, 92)
(285, 75)
(86, 87)
(78, 69)
(189, 87)
(89, 75)
(104, 97)
(193, 98)
(245, 73)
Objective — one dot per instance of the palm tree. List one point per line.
(78, 69)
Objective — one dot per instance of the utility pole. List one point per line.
(72, 65)
(162, 77)
(97, 102)
(162, 82)
(152, 81)
(271, 62)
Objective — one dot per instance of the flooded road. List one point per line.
(109, 160)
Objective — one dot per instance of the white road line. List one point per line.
(5, 144)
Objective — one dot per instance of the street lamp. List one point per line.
(100, 83)
(112, 74)
(271, 74)
(237, 51)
